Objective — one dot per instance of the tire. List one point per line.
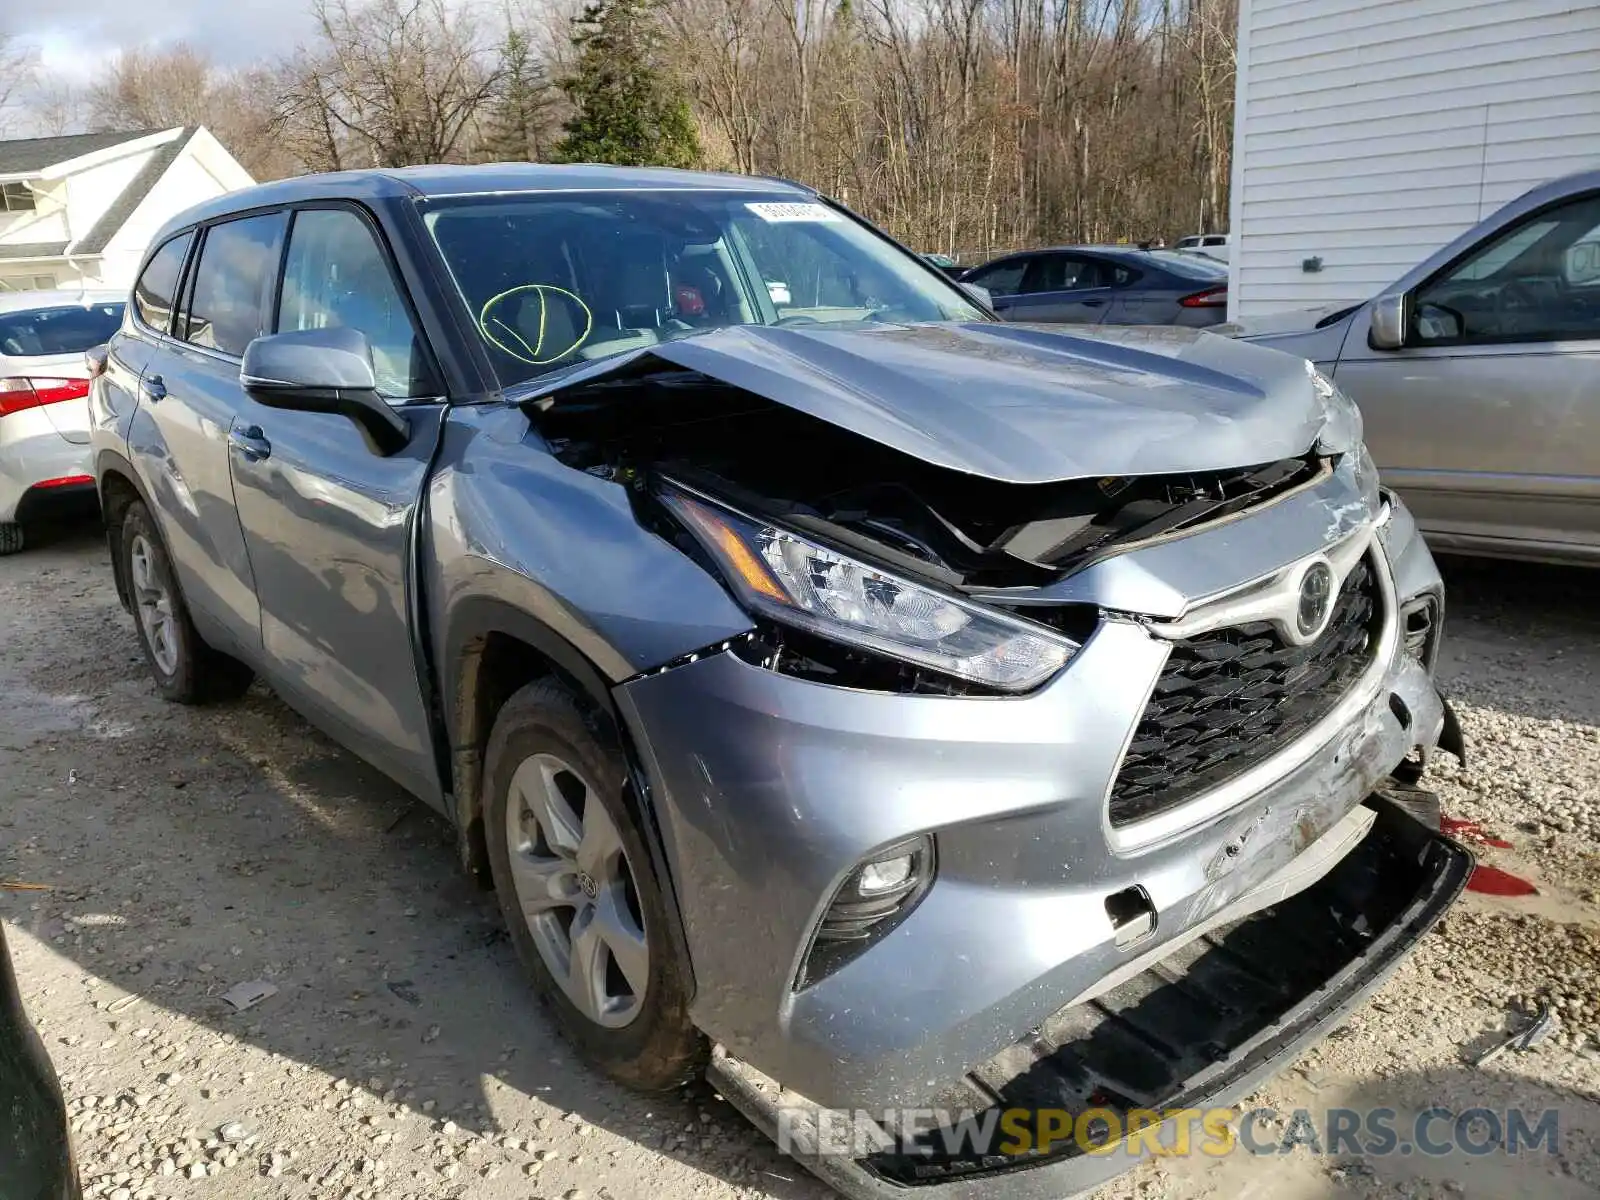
(546, 750)
(186, 670)
(10, 537)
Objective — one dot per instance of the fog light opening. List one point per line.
(1419, 622)
(875, 897)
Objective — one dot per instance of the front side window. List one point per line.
(1538, 281)
(556, 278)
(157, 288)
(337, 274)
(238, 260)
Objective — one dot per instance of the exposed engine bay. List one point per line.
(963, 531)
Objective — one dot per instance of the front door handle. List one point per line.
(153, 387)
(250, 442)
(1094, 303)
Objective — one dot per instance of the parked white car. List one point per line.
(1211, 245)
(44, 408)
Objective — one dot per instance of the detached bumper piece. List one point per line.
(1201, 1028)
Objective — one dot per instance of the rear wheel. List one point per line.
(578, 889)
(10, 537)
(186, 669)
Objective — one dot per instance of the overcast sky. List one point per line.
(73, 36)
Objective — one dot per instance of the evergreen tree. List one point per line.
(519, 123)
(625, 108)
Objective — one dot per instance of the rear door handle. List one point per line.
(1093, 303)
(153, 387)
(250, 442)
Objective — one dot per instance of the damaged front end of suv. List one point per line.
(1062, 751)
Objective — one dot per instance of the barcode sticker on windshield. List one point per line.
(775, 212)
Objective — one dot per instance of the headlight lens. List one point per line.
(780, 575)
(1341, 428)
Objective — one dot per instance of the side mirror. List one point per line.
(323, 371)
(1388, 322)
(979, 293)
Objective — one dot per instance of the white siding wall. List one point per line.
(1370, 132)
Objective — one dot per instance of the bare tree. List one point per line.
(55, 107)
(968, 126)
(161, 88)
(388, 83)
(152, 89)
(18, 64)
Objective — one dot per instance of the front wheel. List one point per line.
(578, 889)
(185, 668)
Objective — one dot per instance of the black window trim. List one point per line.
(439, 392)
(1409, 339)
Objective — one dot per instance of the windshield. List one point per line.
(557, 278)
(66, 329)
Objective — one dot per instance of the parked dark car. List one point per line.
(35, 1150)
(1106, 285)
(924, 709)
(946, 264)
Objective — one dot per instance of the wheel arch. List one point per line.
(492, 650)
(119, 487)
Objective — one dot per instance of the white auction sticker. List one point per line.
(776, 211)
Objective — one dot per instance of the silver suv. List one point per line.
(926, 711)
(1476, 372)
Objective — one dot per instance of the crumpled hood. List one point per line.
(1017, 403)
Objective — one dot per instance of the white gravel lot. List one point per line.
(186, 851)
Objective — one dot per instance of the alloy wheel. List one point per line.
(576, 890)
(153, 599)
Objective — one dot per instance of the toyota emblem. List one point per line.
(1316, 600)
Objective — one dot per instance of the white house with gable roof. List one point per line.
(78, 211)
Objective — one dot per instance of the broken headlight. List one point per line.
(794, 581)
(1342, 428)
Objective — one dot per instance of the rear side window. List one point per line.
(238, 262)
(157, 288)
(1061, 273)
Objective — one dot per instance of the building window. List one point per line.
(27, 283)
(16, 197)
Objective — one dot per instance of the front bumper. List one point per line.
(768, 790)
(1198, 1033)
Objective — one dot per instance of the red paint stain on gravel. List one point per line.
(1492, 881)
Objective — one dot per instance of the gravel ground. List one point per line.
(186, 851)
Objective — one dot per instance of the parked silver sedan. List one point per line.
(44, 408)
(1478, 375)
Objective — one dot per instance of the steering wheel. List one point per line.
(798, 319)
(510, 340)
(1455, 314)
(1513, 303)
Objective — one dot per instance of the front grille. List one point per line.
(1226, 700)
